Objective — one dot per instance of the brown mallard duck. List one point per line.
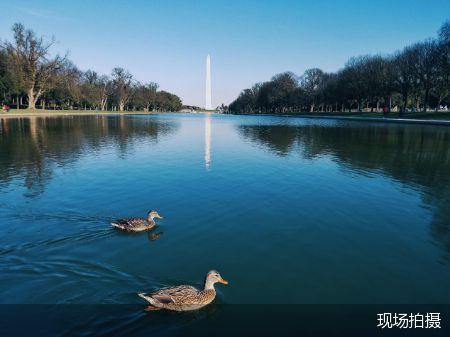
(184, 297)
(137, 224)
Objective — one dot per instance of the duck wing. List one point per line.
(130, 223)
(176, 295)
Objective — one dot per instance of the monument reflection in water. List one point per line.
(207, 140)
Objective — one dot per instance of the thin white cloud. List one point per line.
(39, 13)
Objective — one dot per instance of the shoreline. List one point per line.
(57, 113)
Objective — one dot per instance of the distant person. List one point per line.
(5, 108)
(385, 111)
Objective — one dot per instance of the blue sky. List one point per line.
(166, 41)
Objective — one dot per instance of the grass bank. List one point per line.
(40, 112)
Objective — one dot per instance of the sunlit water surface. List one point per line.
(289, 210)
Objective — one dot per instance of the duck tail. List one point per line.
(117, 225)
(146, 297)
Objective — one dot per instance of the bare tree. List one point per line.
(29, 63)
(105, 92)
(148, 94)
(444, 33)
(353, 83)
(96, 89)
(425, 56)
(311, 82)
(403, 74)
(68, 78)
(123, 86)
(442, 86)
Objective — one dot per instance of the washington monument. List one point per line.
(208, 105)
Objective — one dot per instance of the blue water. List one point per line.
(289, 210)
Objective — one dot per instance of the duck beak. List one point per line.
(223, 281)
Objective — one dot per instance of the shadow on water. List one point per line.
(417, 156)
(152, 234)
(32, 147)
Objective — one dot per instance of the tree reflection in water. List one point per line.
(417, 156)
(31, 147)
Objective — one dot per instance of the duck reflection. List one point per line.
(151, 235)
(154, 236)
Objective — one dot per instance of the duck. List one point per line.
(137, 224)
(184, 297)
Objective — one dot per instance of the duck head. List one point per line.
(213, 277)
(153, 214)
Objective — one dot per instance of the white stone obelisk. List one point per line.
(208, 105)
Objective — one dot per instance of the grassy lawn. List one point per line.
(70, 112)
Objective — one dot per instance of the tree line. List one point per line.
(415, 78)
(31, 78)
